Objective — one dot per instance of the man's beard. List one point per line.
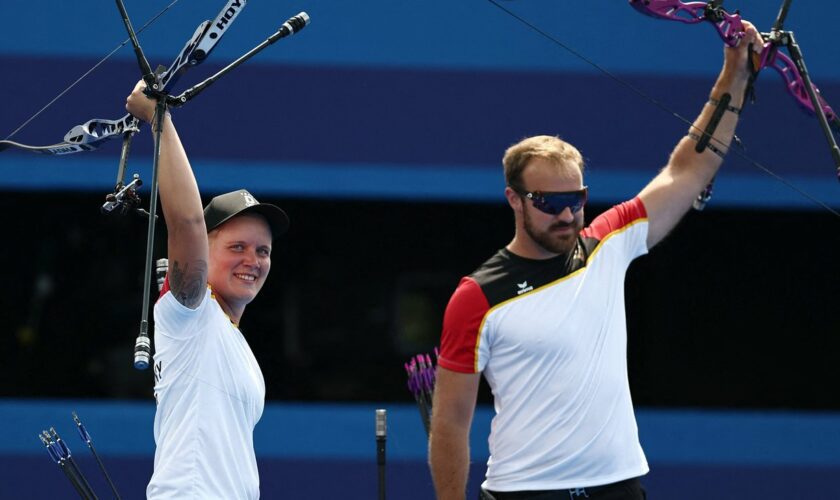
(551, 241)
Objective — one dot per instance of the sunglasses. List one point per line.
(554, 203)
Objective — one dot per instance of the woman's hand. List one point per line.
(139, 104)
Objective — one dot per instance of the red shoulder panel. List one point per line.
(461, 321)
(165, 287)
(616, 218)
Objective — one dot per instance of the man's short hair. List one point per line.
(547, 147)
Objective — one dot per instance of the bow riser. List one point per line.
(184, 60)
(94, 131)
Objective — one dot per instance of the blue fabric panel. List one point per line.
(434, 33)
(345, 431)
(400, 95)
(36, 478)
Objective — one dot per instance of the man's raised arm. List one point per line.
(670, 194)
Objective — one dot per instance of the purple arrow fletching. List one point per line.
(430, 373)
(421, 375)
(428, 380)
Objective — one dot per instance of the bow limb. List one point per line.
(729, 26)
(674, 10)
(61, 148)
(795, 84)
(85, 137)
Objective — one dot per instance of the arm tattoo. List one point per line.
(188, 283)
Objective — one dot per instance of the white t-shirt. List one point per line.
(551, 340)
(210, 394)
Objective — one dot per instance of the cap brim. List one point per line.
(277, 219)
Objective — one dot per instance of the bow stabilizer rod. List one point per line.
(293, 25)
(783, 12)
(145, 68)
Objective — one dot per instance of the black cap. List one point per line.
(225, 206)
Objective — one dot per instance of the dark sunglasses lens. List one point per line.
(555, 203)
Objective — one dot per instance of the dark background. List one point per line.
(735, 309)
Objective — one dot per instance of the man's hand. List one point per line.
(736, 65)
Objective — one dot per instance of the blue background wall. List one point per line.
(328, 451)
(413, 100)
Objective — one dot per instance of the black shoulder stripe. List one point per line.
(505, 275)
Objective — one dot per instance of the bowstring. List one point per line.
(91, 70)
(738, 152)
